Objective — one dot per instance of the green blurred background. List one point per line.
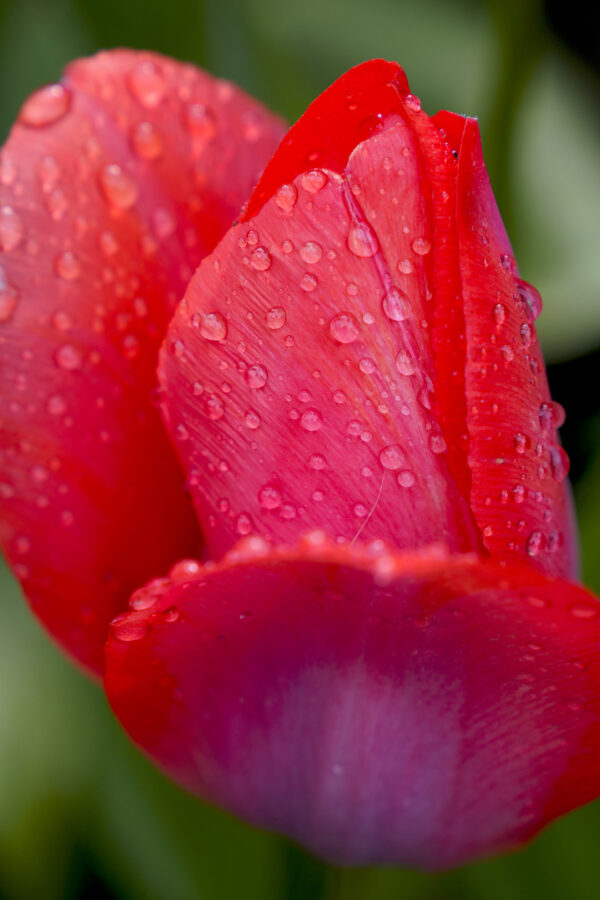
(82, 815)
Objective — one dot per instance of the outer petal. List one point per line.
(413, 709)
(114, 184)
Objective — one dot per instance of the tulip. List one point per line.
(389, 661)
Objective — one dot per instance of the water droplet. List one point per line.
(171, 614)
(412, 102)
(252, 419)
(405, 365)
(311, 252)
(535, 543)
(256, 376)
(260, 259)
(507, 353)
(405, 267)
(49, 173)
(367, 365)
(362, 241)
(243, 524)
(56, 405)
(164, 223)
(585, 610)
(8, 170)
(421, 246)
(286, 197)
(142, 599)
(530, 297)
(392, 457)
(518, 493)
(405, 478)
(276, 318)
(437, 444)
(269, 496)
(67, 266)
(146, 141)
(396, 305)
(200, 123)
(559, 463)
(46, 106)
(147, 84)
(311, 420)
(118, 187)
(317, 462)
(521, 442)
(499, 313)
(124, 628)
(11, 229)
(8, 300)
(314, 180)
(62, 321)
(526, 334)
(68, 357)
(343, 328)
(308, 282)
(213, 326)
(213, 406)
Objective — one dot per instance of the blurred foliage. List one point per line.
(82, 814)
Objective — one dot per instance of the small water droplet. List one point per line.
(260, 259)
(499, 313)
(68, 357)
(243, 524)
(405, 478)
(213, 406)
(314, 180)
(308, 282)
(212, 325)
(367, 365)
(286, 197)
(317, 462)
(526, 334)
(311, 252)
(396, 305)
(412, 102)
(46, 106)
(9, 298)
(256, 376)
(437, 444)
(405, 365)
(421, 246)
(49, 173)
(200, 122)
(11, 229)
(118, 187)
(535, 543)
(311, 420)
(56, 405)
(8, 169)
(67, 266)
(252, 419)
(147, 83)
(276, 318)
(585, 610)
(146, 141)
(362, 241)
(405, 267)
(392, 457)
(269, 496)
(124, 628)
(171, 614)
(521, 442)
(343, 328)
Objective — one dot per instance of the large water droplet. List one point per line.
(260, 259)
(308, 282)
(421, 246)
(11, 229)
(147, 84)
(311, 252)
(146, 141)
(286, 197)
(118, 187)
(276, 318)
(405, 364)
(126, 629)
(396, 305)
(46, 106)
(311, 420)
(362, 240)
(530, 297)
(256, 376)
(343, 328)
(213, 326)
(313, 180)
(392, 457)
(559, 463)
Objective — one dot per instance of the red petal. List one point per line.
(297, 372)
(416, 709)
(114, 184)
(520, 496)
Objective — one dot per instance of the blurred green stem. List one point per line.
(521, 40)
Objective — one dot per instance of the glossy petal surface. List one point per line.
(348, 386)
(416, 709)
(114, 184)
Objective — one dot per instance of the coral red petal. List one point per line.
(416, 709)
(113, 186)
(297, 373)
(520, 495)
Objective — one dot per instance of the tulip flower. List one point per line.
(381, 650)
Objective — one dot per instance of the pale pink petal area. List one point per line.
(416, 709)
(520, 495)
(113, 185)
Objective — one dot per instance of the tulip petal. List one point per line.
(418, 709)
(520, 495)
(113, 185)
(297, 376)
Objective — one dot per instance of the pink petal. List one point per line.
(415, 709)
(113, 185)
